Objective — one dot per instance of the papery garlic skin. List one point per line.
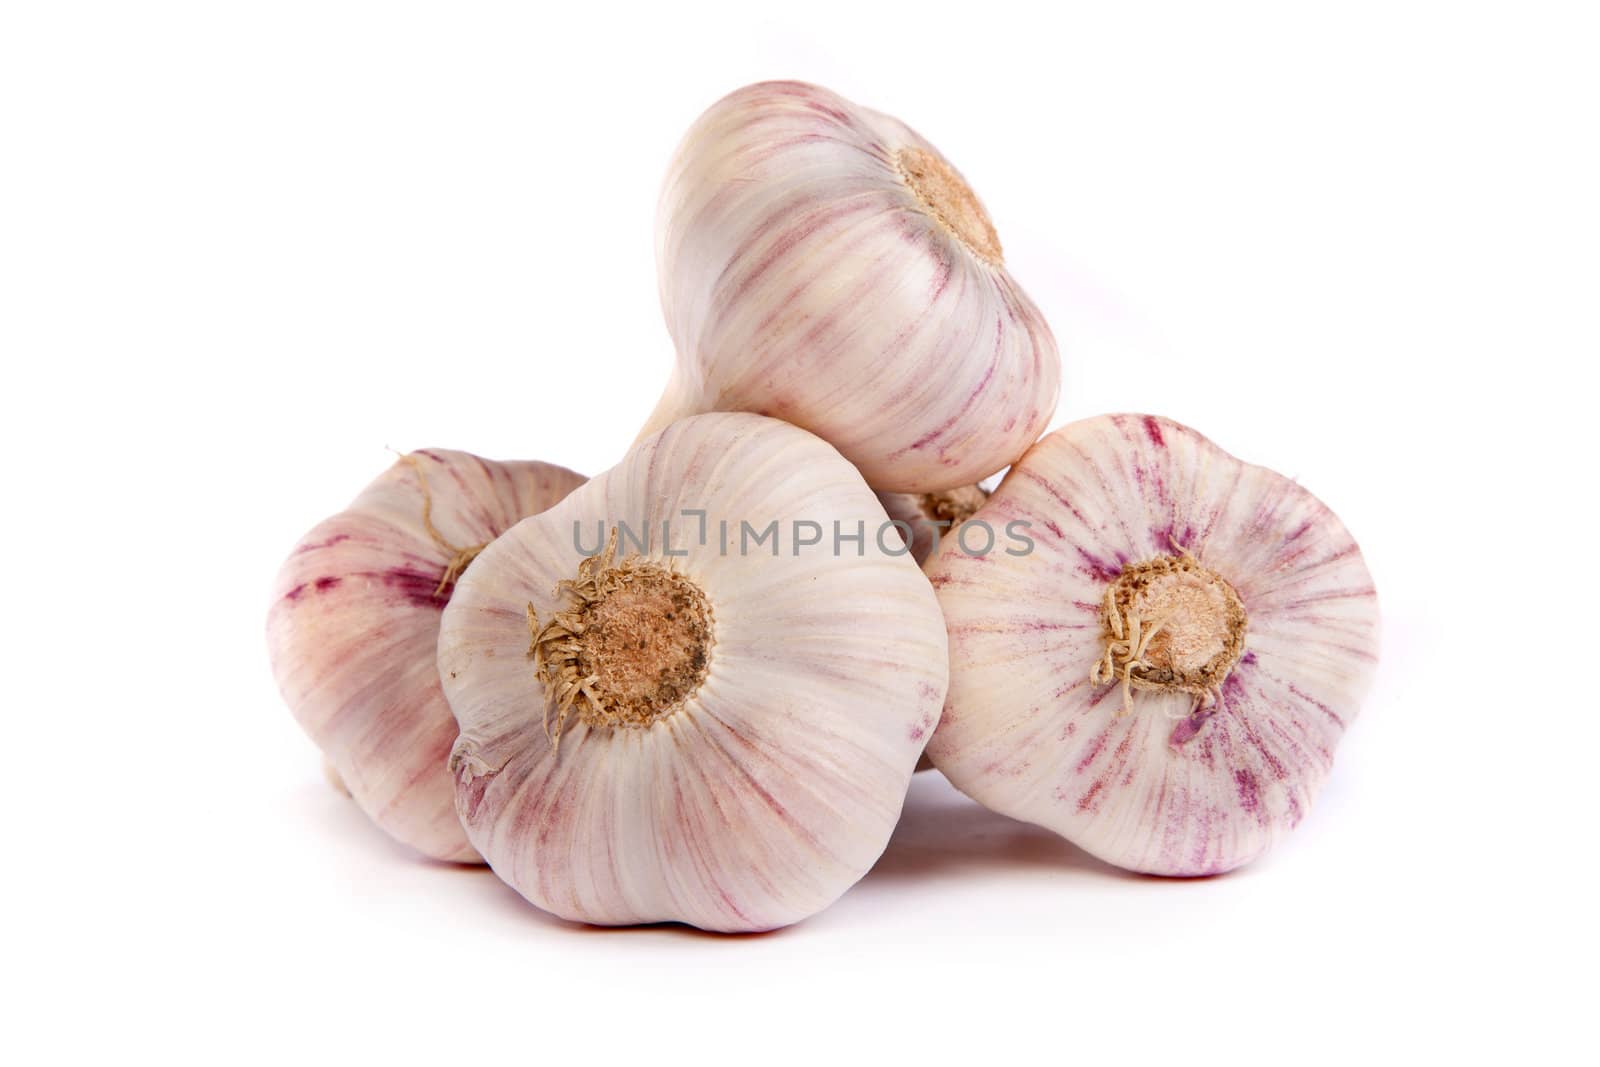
(804, 277)
(1175, 784)
(775, 785)
(354, 625)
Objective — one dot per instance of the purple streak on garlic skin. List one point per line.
(776, 784)
(1176, 785)
(354, 624)
(803, 277)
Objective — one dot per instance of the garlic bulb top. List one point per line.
(1163, 677)
(822, 263)
(680, 697)
(354, 625)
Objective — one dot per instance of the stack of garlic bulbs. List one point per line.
(695, 687)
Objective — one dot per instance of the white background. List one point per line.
(244, 248)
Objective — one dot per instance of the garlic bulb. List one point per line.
(923, 521)
(354, 627)
(931, 517)
(1163, 678)
(680, 697)
(822, 263)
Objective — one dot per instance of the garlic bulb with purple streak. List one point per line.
(931, 517)
(822, 263)
(709, 729)
(354, 625)
(924, 520)
(1164, 678)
